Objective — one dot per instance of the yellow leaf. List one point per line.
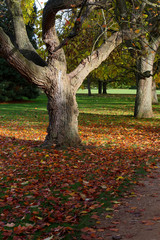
(43, 162)
(120, 177)
(137, 31)
(109, 209)
(75, 166)
(83, 212)
(109, 216)
(40, 218)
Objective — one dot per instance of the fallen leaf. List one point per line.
(10, 225)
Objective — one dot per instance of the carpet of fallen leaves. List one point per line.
(48, 194)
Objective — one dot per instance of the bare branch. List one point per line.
(152, 4)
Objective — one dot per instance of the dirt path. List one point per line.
(137, 217)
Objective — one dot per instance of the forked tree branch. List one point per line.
(48, 25)
(75, 30)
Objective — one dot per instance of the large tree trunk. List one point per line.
(63, 115)
(154, 93)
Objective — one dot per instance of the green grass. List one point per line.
(121, 100)
(112, 91)
(108, 104)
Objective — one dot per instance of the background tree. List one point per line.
(146, 47)
(156, 78)
(145, 84)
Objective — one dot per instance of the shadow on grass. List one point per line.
(107, 120)
(4, 141)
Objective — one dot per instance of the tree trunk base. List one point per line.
(63, 145)
(144, 115)
(155, 102)
(49, 146)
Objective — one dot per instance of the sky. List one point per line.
(40, 3)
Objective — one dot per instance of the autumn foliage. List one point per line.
(48, 194)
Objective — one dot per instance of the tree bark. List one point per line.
(89, 86)
(99, 87)
(104, 87)
(143, 102)
(63, 115)
(154, 93)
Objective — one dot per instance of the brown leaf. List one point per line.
(156, 218)
(148, 222)
(114, 229)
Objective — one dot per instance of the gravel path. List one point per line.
(137, 216)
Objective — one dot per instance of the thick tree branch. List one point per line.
(26, 68)
(157, 5)
(22, 41)
(98, 56)
(92, 62)
(99, 4)
(20, 32)
(155, 44)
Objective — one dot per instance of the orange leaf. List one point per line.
(114, 229)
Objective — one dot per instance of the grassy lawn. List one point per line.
(112, 91)
(51, 194)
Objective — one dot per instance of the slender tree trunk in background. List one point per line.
(89, 86)
(154, 93)
(143, 102)
(104, 87)
(99, 87)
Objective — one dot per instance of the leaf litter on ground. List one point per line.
(46, 193)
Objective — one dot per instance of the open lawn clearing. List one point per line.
(111, 91)
(47, 193)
